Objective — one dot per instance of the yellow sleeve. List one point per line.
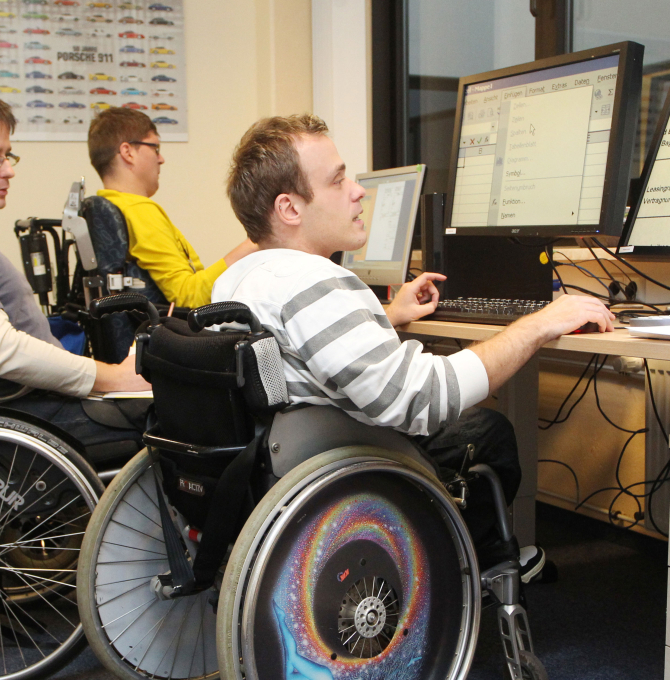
(154, 244)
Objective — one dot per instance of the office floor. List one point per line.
(603, 620)
(605, 617)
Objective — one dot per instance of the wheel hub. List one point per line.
(370, 617)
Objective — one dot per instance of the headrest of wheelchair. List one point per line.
(76, 225)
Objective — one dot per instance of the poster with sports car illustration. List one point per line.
(79, 57)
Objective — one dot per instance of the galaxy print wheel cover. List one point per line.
(357, 537)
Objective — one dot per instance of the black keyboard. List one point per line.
(484, 310)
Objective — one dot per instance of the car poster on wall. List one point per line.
(62, 61)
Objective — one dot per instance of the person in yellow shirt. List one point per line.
(124, 148)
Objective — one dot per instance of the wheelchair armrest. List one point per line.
(223, 312)
(124, 302)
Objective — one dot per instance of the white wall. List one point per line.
(244, 60)
(340, 31)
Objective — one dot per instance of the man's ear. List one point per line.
(127, 152)
(287, 210)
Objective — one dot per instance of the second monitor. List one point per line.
(390, 207)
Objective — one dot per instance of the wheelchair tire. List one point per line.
(531, 668)
(355, 539)
(47, 494)
(131, 631)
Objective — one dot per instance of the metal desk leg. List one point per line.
(518, 400)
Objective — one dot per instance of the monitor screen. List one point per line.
(647, 230)
(390, 206)
(546, 148)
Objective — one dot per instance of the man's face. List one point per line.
(148, 163)
(332, 219)
(6, 170)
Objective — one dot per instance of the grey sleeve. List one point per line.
(18, 301)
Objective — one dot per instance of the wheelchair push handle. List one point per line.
(124, 302)
(223, 312)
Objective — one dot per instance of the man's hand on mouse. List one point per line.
(570, 312)
(415, 299)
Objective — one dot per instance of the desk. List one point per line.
(518, 400)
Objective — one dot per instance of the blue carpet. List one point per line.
(605, 617)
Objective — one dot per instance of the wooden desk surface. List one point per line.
(618, 343)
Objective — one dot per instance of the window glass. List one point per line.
(449, 39)
(646, 22)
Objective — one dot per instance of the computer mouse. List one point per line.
(589, 327)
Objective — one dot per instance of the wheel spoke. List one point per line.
(137, 510)
(153, 601)
(137, 531)
(39, 594)
(4, 604)
(132, 547)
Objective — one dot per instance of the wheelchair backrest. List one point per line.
(109, 235)
(196, 397)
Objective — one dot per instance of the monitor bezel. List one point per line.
(622, 140)
(624, 248)
(420, 171)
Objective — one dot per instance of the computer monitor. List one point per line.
(389, 213)
(545, 149)
(647, 229)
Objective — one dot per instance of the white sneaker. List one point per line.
(532, 559)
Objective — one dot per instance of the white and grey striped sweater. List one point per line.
(339, 347)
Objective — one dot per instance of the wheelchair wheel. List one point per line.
(47, 494)
(356, 564)
(531, 668)
(134, 632)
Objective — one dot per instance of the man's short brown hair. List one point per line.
(266, 164)
(109, 129)
(7, 117)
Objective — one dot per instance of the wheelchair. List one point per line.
(95, 230)
(47, 493)
(254, 540)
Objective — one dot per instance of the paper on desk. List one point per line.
(658, 332)
(98, 396)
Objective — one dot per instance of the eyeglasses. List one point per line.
(155, 147)
(13, 159)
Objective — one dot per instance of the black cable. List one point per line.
(655, 306)
(549, 255)
(556, 420)
(570, 263)
(560, 462)
(630, 266)
(600, 261)
(602, 413)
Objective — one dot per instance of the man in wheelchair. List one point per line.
(288, 187)
(32, 357)
(124, 149)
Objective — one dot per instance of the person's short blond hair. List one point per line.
(266, 164)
